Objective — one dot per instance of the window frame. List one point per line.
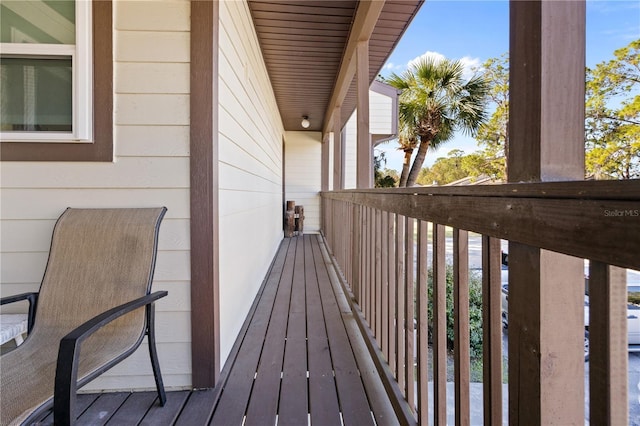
(81, 68)
(98, 145)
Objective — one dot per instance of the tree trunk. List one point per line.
(418, 161)
(405, 168)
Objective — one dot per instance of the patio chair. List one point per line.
(87, 316)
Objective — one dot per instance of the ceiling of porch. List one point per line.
(304, 43)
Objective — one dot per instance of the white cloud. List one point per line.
(471, 65)
(437, 57)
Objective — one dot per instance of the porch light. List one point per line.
(305, 122)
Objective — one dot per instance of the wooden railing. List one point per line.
(381, 241)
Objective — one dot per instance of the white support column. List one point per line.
(324, 163)
(338, 152)
(546, 133)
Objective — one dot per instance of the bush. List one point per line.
(475, 311)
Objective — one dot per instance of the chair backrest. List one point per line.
(99, 259)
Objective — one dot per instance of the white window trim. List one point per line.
(82, 73)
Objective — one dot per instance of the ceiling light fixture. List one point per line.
(305, 122)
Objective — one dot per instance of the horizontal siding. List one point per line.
(380, 113)
(302, 174)
(163, 141)
(128, 172)
(152, 46)
(151, 168)
(250, 169)
(158, 15)
(133, 77)
(38, 203)
(155, 109)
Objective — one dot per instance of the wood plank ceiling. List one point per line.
(303, 44)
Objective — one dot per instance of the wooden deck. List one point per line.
(300, 359)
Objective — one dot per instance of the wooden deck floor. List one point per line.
(300, 360)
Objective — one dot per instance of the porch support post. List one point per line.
(546, 130)
(324, 174)
(338, 152)
(205, 313)
(364, 173)
(324, 180)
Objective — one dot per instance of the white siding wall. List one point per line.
(250, 169)
(151, 168)
(380, 115)
(302, 174)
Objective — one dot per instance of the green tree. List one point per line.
(493, 135)
(436, 101)
(456, 166)
(383, 178)
(612, 125)
(444, 170)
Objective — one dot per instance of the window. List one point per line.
(46, 70)
(56, 80)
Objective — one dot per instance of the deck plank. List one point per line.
(83, 401)
(102, 409)
(168, 414)
(235, 395)
(293, 408)
(323, 401)
(134, 408)
(198, 408)
(263, 405)
(351, 392)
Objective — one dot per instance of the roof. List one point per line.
(308, 49)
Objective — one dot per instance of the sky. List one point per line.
(474, 31)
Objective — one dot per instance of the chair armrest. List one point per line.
(18, 297)
(69, 353)
(32, 298)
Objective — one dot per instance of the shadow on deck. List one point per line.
(300, 358)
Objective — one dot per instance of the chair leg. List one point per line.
(153, 353)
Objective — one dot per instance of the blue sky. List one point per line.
(474, 31)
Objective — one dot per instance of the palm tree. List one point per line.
(408, 143)
(436, 101)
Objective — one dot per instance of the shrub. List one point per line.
(475, 311)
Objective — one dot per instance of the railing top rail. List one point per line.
(572, 190)
(588, 219)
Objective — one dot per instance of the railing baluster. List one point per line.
(410, 312)
(400, 301)
(384, 266)
(461, 325)
(392, 291)
(422, 303)
(608, 358)
(365, 265)
(370, 269)
(356, 251)
(439, 326)
(377, 306)
(491, 330)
